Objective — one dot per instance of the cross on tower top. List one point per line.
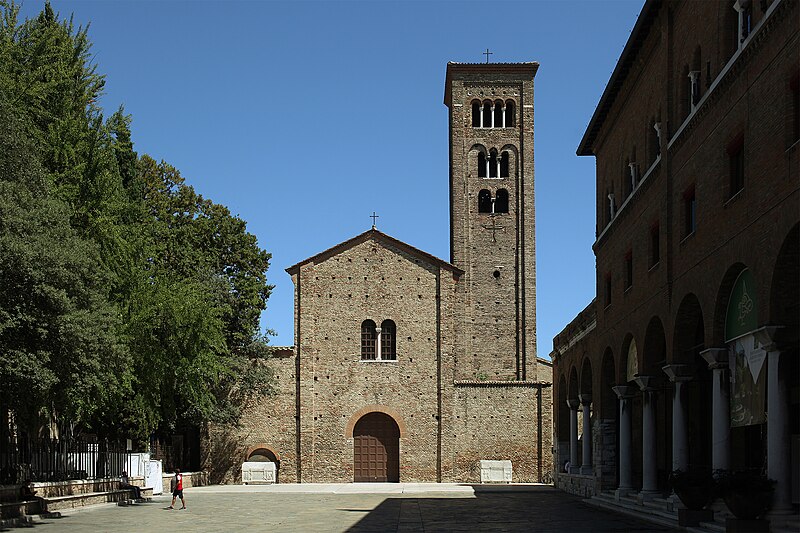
(487, 53)
(374, 218)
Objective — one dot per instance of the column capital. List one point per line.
(573, 404)
(678, 373)
(645, 382)
(765, 336)
(585, 399)
(716, 357)
(623, 391)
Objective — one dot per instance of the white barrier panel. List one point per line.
(136, 464)
(153, 477)
(495, 471)
(258, 472)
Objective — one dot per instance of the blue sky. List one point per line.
(305, 117)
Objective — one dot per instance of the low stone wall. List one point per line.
(580, 485)
(190, 479)
(54, 489)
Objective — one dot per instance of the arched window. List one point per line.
(481, 165)
(501, 201)
(493, 163)
(476, 114)
(498, 114)
(484, 201)
(504, 164)
(511, 116)
(388, 336)
(368, 336)
(487, 114)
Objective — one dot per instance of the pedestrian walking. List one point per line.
(177, 492)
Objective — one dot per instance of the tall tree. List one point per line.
(60, 355)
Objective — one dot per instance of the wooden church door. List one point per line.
(376, 449)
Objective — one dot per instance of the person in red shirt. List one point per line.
(178, 490)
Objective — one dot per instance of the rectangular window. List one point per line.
(629, 269)
(655, 245)
(607, 290)
(736, 166)
(689, 211)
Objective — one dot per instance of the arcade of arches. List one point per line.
(712, 386)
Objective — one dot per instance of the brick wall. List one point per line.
(499, 421)
(677, 306)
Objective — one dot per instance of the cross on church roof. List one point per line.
(374, 218)
(487, 53)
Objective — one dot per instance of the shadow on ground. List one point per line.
(513, 509)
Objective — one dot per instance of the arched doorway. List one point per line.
(376, 449)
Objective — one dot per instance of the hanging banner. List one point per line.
(742, 314)
(633, 362)
(748, 382)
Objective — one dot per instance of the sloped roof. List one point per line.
(640, 31)
(374, 234)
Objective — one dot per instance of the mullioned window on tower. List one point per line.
(493, 205)
(493, 113)
(493, 166)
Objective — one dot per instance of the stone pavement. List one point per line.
(354, 508)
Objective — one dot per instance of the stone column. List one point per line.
(573, 436)
(481, 124)
(488, 159)
(491, 110)
(378, 344)
(586, 462)
(717, 359)
(778, 438)
(497, 160)
(504, 115)
(679, 375)
(649, 450)
(624, 394)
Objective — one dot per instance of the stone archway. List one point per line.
(376, 449)
(264, 453)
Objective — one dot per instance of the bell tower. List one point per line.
(492, 212)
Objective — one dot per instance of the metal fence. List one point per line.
(25, 459)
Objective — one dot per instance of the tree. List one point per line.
(60, 353)
(172, 284)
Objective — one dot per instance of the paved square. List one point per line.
(347, 508)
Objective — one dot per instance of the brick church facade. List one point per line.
(407, 367)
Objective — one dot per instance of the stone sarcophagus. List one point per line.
(258, 472)
(495, 471)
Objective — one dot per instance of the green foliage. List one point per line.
(129, 303)
(59, 344)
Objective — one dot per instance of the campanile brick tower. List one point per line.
(492, 217)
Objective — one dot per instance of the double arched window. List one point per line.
(378, 343)
(493, 166)
(496, 205)
(493, 114)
